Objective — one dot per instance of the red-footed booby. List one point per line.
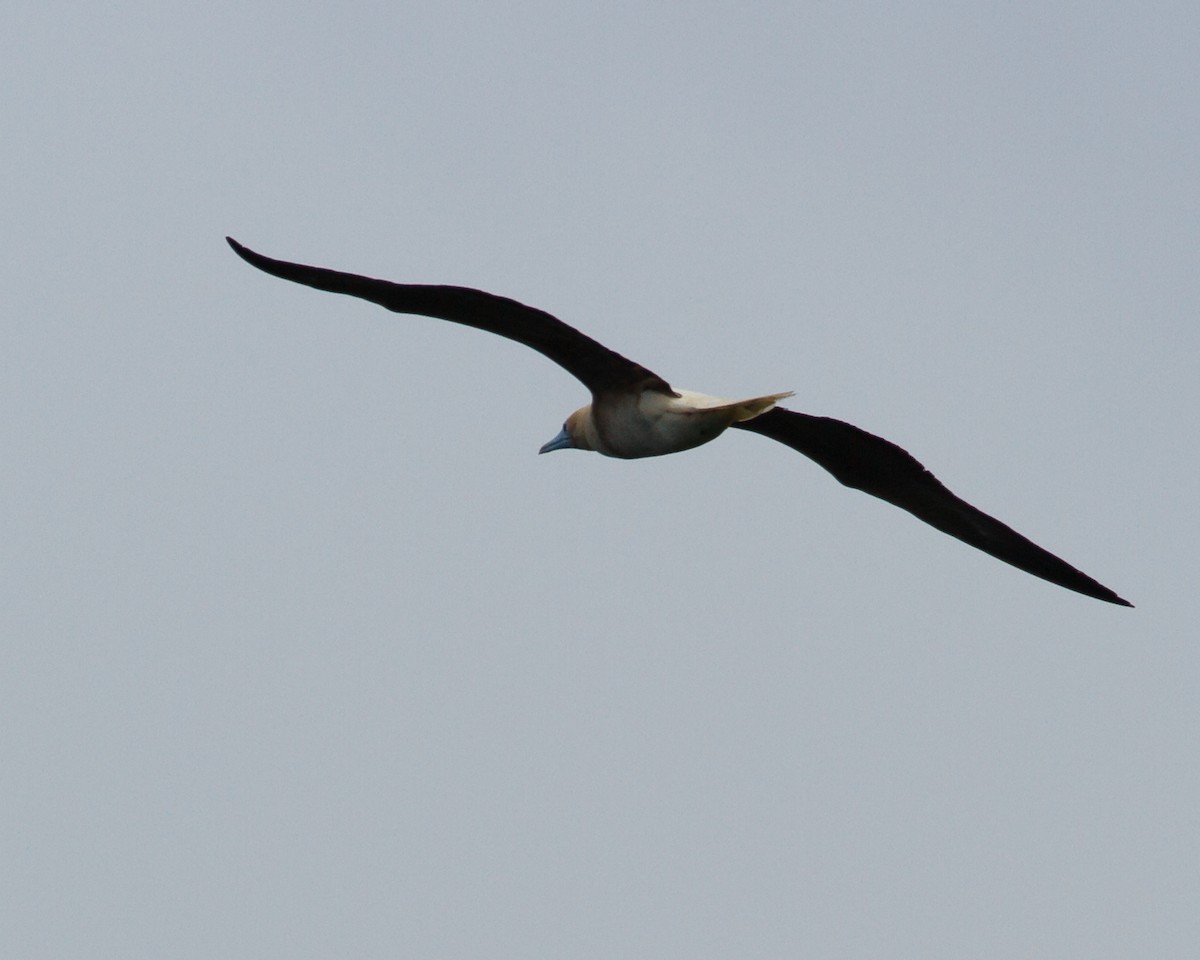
(636, 413)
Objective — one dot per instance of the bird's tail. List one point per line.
(755, 406)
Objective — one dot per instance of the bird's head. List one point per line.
(576, 434)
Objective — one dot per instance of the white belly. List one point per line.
(651, 424)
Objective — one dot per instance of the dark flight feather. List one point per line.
(599, 369)
(881, 468)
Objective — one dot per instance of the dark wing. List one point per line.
(878, 467)
(599, 368)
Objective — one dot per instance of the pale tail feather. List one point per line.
(755, 406)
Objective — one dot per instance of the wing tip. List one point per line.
(1099, 591)
(255, 259)
(244, 252)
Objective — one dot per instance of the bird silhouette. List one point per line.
(636, 413)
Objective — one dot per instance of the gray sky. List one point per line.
(308, 654)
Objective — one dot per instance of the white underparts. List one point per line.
(651, 423)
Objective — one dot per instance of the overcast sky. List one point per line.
(306, 653)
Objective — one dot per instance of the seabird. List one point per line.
(636, 413)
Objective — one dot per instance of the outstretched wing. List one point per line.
(599, 368)
(881, 468)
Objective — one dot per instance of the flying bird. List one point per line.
(636, 413)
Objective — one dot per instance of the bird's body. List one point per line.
(635, 413)
(653, 423)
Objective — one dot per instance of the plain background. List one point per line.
(307, 654)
